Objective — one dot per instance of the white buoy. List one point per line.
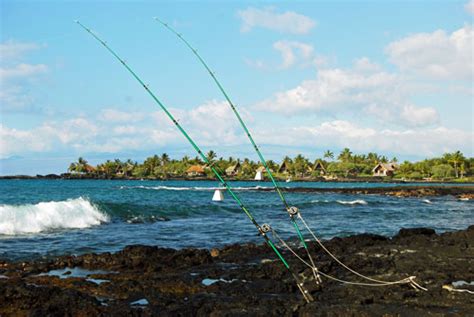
(259, 176)
(218, 195)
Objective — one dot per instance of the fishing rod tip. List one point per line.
(157, 19)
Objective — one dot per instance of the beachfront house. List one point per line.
(195, 170)
(233, 170)
(384, 169)
(124, 170)
(284, 168)
(318, 167)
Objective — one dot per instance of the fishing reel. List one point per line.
(293, 211)
(265, 228)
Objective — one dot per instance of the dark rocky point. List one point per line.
(247, 280)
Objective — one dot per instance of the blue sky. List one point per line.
(392, 77)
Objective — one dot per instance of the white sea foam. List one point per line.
(353, 202)
(427, 201)
(29, 218)
(320, 201)
(195, 188)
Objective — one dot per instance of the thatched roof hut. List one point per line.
(319, 167)
(384, 169)
(284, 167)
(195, 170)
(232, 170)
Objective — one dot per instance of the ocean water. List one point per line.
(43, 218)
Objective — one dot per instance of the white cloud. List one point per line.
(13, 49)
(366, 65)
(74, 130)
(13, 98)
(293, 53)
(212, 127)
(291, 50)
(15, 77)
(22, 71)
(268, 18)
(436, 55)
(418, 116)
(339, 133)
(365, 89)
(469, 7)
(13, 141)
(113, 115)
(209, 124)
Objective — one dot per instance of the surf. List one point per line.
(75, 213)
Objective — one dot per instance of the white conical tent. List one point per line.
(218, 195)
(259, 173)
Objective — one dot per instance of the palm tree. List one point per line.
(300, 165)
(358, 158)
(82, 161)
(287, 159)
(462, 170)
(345, 155)
(456, 158)
(81, 165)
(109, 168)
(72, 167)
(329, 155)
(211, 155)
(165, 159)
(373, 158)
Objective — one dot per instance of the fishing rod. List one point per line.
(264, 229)
(292, 211)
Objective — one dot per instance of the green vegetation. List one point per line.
(449, 167)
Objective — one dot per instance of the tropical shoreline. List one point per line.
(69, 176)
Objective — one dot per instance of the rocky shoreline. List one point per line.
(246, 280)
(461, 192)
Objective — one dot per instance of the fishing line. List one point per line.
(261, 230)
(292, 211)
(289, 209)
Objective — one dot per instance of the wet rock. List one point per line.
(404, 232)
(249, 280)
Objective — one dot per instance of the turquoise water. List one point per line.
(56, 217)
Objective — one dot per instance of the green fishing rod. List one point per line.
(292, 211)
(264, 229)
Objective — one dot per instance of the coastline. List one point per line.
(373, 179)
(239, 280)
(416, 189)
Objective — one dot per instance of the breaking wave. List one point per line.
(194, 188)
(317, 201)
(44, 216)
(352, 202)
(342, 202)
